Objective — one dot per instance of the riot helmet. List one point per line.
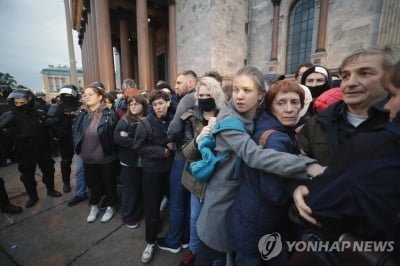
(19, 94)
(69, 89)
(40, 95)
(69, 93)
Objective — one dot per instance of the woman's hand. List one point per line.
(123, 133)
(204, 132)
(171, 145)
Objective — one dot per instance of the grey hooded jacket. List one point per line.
(222, 188)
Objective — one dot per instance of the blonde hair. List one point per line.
(215, 90)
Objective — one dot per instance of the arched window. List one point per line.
(300, 32)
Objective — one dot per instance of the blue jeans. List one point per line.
(80, 189)
(179, 201)
(194, 243)
(195, 208)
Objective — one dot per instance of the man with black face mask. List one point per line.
(31, 142)
(61, 116)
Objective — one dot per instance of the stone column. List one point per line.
(95, 48)
(143, 45)
(322, 24)
(172, 45)
(84, 65)
(104, 44)
(389, 32)
(152, 56)
(90, 48)
(125, 53)
(275, 30)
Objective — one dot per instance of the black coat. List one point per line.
(61, 117)
(359, 193)
(126, 153)
(151, 145)
(105, 130)
(27, 128)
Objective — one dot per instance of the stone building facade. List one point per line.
(54, 77)
(157, 39)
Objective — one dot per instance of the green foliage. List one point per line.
(7, 79)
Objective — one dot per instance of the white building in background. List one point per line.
(54, 77)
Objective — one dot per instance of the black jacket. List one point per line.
(27, 129)
(126, 153)
(324, 134)
(61, 117)
(105, 130)
(359, 192)
(151, 145)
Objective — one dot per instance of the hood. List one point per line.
(268, 121)
(99, 109)
(318, 90)
(230, 111)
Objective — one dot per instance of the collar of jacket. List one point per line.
(339, 110)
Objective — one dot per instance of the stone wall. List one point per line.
(351, 25)
(211, 35)
(193, 35)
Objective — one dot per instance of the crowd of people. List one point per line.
(319, 152)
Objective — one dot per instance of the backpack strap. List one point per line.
(148, 128)
(263, 140)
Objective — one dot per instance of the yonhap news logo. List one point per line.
(271, 245)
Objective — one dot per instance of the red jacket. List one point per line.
(327, 98)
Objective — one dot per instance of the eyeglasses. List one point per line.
(88, 95)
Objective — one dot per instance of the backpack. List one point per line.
(202, 170)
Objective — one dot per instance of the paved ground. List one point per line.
(51, 233)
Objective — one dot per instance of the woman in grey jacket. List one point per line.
(247, 98)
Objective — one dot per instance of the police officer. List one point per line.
(31, 142)
(41, 102)
(61, 116)
(5, 139)
(5, 205)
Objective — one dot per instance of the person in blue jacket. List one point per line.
(262, 202)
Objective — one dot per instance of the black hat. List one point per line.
(164, 86)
